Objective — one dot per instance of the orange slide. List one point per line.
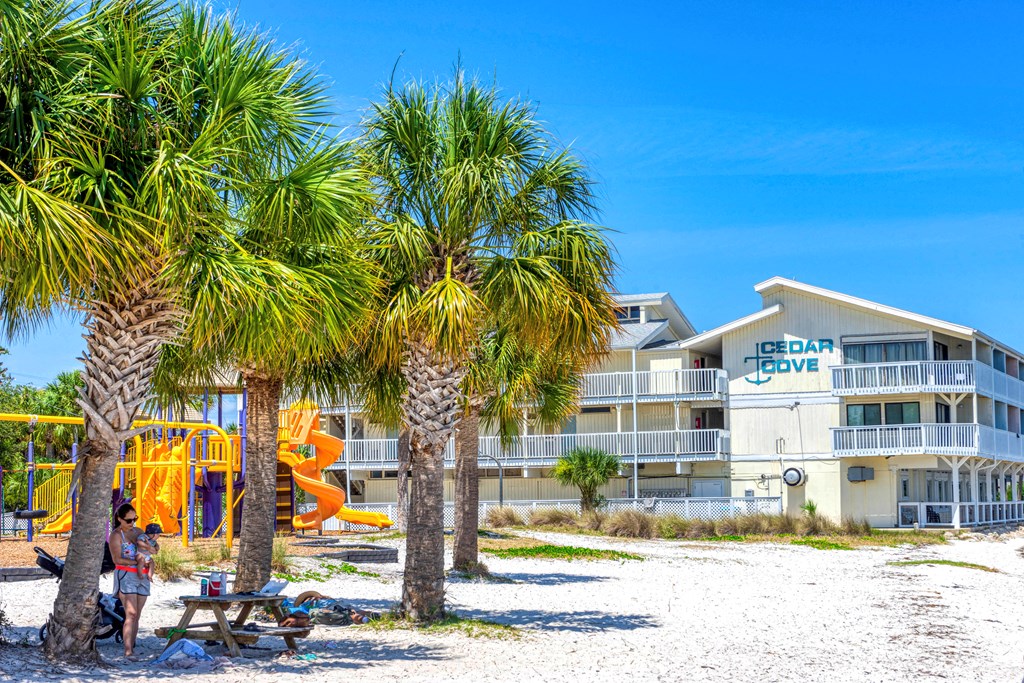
(306, 473)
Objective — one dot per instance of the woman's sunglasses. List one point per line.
(130, 520)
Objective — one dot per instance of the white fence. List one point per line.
(691, 508)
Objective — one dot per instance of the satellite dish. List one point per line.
(794, 476)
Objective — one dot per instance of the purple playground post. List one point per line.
(243, 426)
(30, 461)
(192, 491)
(74, 494)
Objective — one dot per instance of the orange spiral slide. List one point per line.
(306, 472)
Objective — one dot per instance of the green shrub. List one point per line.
(673, 526)
(503, 517)
(552, 517)
(170, 563)
(630, 524)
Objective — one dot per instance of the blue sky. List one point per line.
(875, 148)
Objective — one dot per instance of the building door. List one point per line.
(708, 488)
(941, 351)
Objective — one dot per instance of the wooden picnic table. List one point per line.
(231, 633)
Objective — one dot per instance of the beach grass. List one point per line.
(560, 552)
(450, 623)
(170, 563)
(948, 563)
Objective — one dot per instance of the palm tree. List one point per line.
(481, 225)
(128, 129)
(506, 378)
(588, 469)
(287, 291)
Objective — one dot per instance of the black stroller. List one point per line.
(111, 618)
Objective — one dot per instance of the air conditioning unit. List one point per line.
(860, 474)
(794, 476)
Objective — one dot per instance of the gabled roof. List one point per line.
(636, 335)
(713, 337)
(777, 283)
(666, 303)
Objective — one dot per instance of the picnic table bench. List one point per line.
(231, 633)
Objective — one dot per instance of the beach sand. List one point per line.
(690, 611)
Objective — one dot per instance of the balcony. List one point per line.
(915, 377)
(968, 439)
(542, 450)
(705, 384)
(921, 377)
(691, 445)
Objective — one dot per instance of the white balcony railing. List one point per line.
(671, 446)
(704, 383)
(543, 449)
(377, 451)
(946, 376)
(915, 377)
(928, 439)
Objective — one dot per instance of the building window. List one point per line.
(888, 352)
(628, 314)
(905, 483)
(864, 415)
(942, 413)
(902, 413)
(870, 414)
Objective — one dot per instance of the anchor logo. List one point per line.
(758, 358)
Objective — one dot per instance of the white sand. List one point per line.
(690, 612)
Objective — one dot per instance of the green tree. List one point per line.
(482, 225)
(305, 285)
(588, 469)
(129, 129)
(505, 379)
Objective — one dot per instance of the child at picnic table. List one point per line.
(148, 544)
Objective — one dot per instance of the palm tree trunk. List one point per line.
(125, 334)
(402, 511)
(467, 491)
(256, 541)
(431, 412)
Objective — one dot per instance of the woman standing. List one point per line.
(130, 586)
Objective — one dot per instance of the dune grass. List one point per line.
(948, 563)
(170, 563)
(324, 572)
(450, 623)
(758, 528)
(560, 552)
(821, 544)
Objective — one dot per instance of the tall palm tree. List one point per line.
(481, 221)
(129, 127)
(287, 291)
(506, 379)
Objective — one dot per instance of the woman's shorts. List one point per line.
(130, 583)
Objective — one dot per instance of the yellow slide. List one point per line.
(61, 525)
(306, 473)
(160, 499)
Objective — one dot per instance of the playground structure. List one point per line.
(189, 477)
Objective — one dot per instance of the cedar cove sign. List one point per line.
(782, 357)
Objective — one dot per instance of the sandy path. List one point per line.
(689, 612)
